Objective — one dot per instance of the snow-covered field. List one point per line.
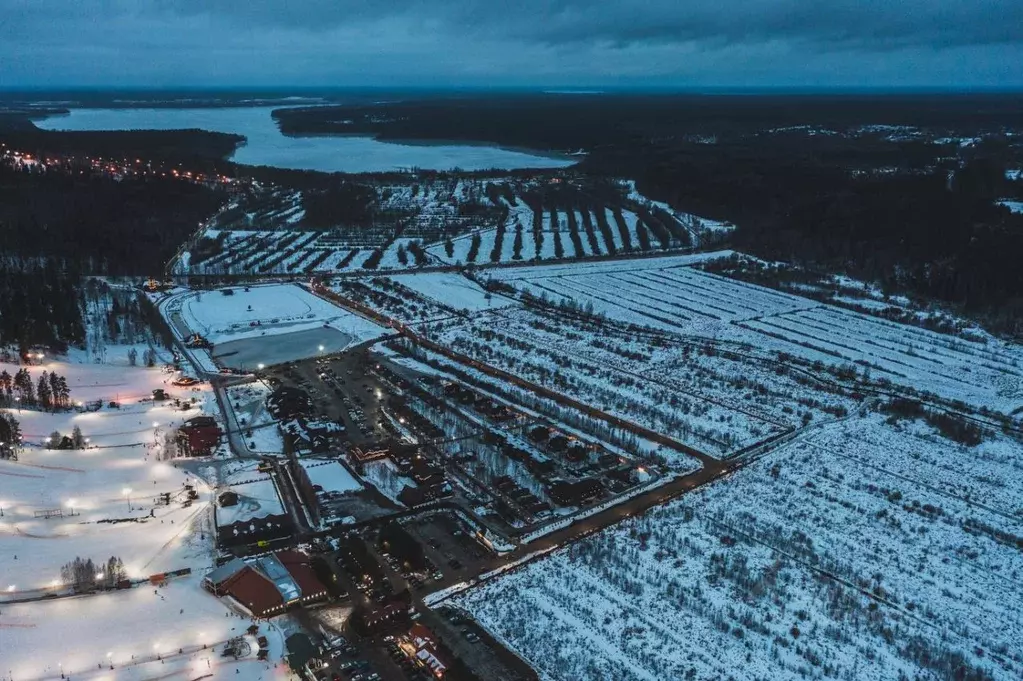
(265, 311)
(257, 498)
(670, 297)
(1014, 206)
(330, 475)
(452, 290)
(106, 501)
(132, 635)
(266, 324)
(864, 551)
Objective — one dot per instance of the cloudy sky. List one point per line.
(674, 43)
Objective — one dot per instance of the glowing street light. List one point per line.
(322, 348)
(260, 366)
(127, 495)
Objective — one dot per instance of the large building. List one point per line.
(267, 585)
(421, 644)
(199, 436)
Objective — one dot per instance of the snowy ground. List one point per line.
(267, 324)
(671, 297)
(1014, 206)
(132, 635)
(117, 478)
(278, 309)
(257, 498)
(452, 290)
(258, 426)
(865, 551)
(330, 475)
(385, 477)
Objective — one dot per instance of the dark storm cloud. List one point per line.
(880, 24)
(358, 42)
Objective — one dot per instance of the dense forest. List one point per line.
(62, 224)
(39, 304)
(103, 224)
(581, 121)
(196, 148)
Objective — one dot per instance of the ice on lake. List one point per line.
(266, 146)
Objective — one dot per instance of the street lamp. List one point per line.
(260, 366)
(127, 495)
(71, 506)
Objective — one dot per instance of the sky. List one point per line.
(512, 43)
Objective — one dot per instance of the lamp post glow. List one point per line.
(127, 495)
(260, 366)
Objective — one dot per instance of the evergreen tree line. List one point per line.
(50, 391)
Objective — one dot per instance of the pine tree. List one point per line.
(77, 439)
(63, 393)
(23, 386)
(44, 392)
(10, 430)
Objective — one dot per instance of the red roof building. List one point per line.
(424, 644)
(268, 584)
(199, 436)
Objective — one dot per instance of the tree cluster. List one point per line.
(83, 574)
(50, 391)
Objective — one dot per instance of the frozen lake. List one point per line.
(247, 353)
(266, 145)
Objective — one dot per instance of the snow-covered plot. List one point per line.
(452, 290)
(1014, 206)
(697, 226)
(674, 298)
(661, 293)
(330, 476)
(267, 324)
(385, 477)
(984, 372)
(566, 269)
(258, 427)
(262, 311)
(853, 555)
(257, 498)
